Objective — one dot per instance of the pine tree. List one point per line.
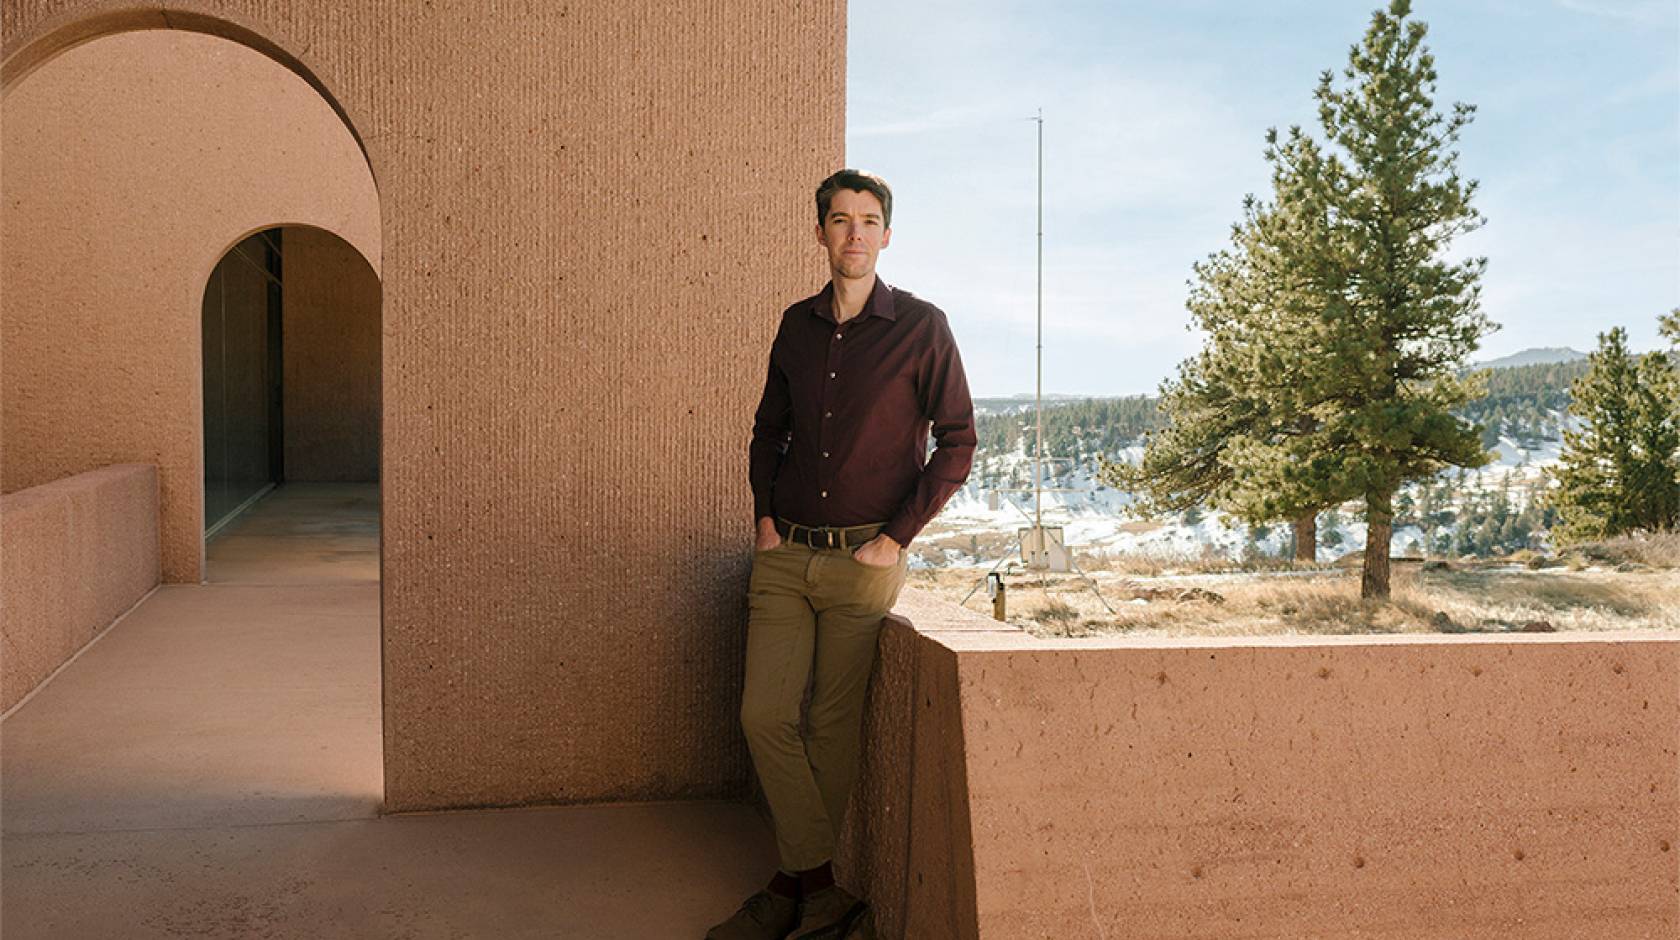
(1336, 330)
(1330, 527)
(1620, 471)
(1207, 408)
(1434, 509)
(1221, 397)
(1369, 327)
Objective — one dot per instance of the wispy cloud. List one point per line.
(1641, 12)
(1664, 82)
(938, 120)
(1154, 122)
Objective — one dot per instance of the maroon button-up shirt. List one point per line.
(841, 433)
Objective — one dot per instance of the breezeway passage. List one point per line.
(212, 765)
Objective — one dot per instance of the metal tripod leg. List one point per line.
(1093, 585)
(994, 567)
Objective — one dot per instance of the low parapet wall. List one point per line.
(1378, 786)
(74, 554)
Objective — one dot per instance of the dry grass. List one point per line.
(1659, 550)
(937, 549)
(1054, 613)
(1490, 599)
(1155, 564)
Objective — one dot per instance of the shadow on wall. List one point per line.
(134, 161)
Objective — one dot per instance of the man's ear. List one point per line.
(822, 236)
(886, 237)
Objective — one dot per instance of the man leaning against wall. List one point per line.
(842, 482)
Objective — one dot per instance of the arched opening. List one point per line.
(291, 343)
(139, 164)
(134, 162)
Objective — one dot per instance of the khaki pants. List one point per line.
(814, 615)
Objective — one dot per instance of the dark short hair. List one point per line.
(858, 181)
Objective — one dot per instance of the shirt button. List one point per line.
(831, 375)
(825, 453)
(828, 414)
(825, 494)
(839, 335)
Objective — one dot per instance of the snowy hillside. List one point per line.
(1095, 518)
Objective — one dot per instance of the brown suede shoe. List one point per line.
(829, 914)
(764, 916)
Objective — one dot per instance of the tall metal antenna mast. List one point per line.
(1042, 549)
(1038, 393)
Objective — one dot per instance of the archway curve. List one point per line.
(29, 54)
(202, 269)
(168, 290)
(65, 31)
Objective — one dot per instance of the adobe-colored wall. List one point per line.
(74, 554)
(1522, 786)
(906, 839)
(132, 163)
(331, 351)
(592, 216)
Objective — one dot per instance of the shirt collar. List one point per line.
(879, 304)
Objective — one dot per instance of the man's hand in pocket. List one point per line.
(879, 552)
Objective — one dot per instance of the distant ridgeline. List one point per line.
(1523, 402)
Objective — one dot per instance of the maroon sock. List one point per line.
(812, 880)
(785, 885)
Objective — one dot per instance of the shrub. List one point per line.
(1055, 612)
(1658, 549)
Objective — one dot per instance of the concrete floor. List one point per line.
(302, 533)
(211, 767)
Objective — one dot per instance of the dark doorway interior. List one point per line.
(244, 431)
(291, 410)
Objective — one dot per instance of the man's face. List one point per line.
(854, 233)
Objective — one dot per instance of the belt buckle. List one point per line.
(830, 534)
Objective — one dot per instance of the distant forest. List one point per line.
(1522, 402)
(1078, 429)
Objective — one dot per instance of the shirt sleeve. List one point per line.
(942, 387)
(772, 430)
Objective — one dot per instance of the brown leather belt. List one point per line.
(846, 537)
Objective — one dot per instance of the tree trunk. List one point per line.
(1379, 531)
(1306, 538)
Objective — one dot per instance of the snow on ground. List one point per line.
(1095, 518)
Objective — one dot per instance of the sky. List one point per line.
(1154, 122)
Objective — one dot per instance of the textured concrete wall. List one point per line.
(133, 162)
(1379, 786)
(906, 840)
(74, 554)
(331, 349)
(592, 215)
